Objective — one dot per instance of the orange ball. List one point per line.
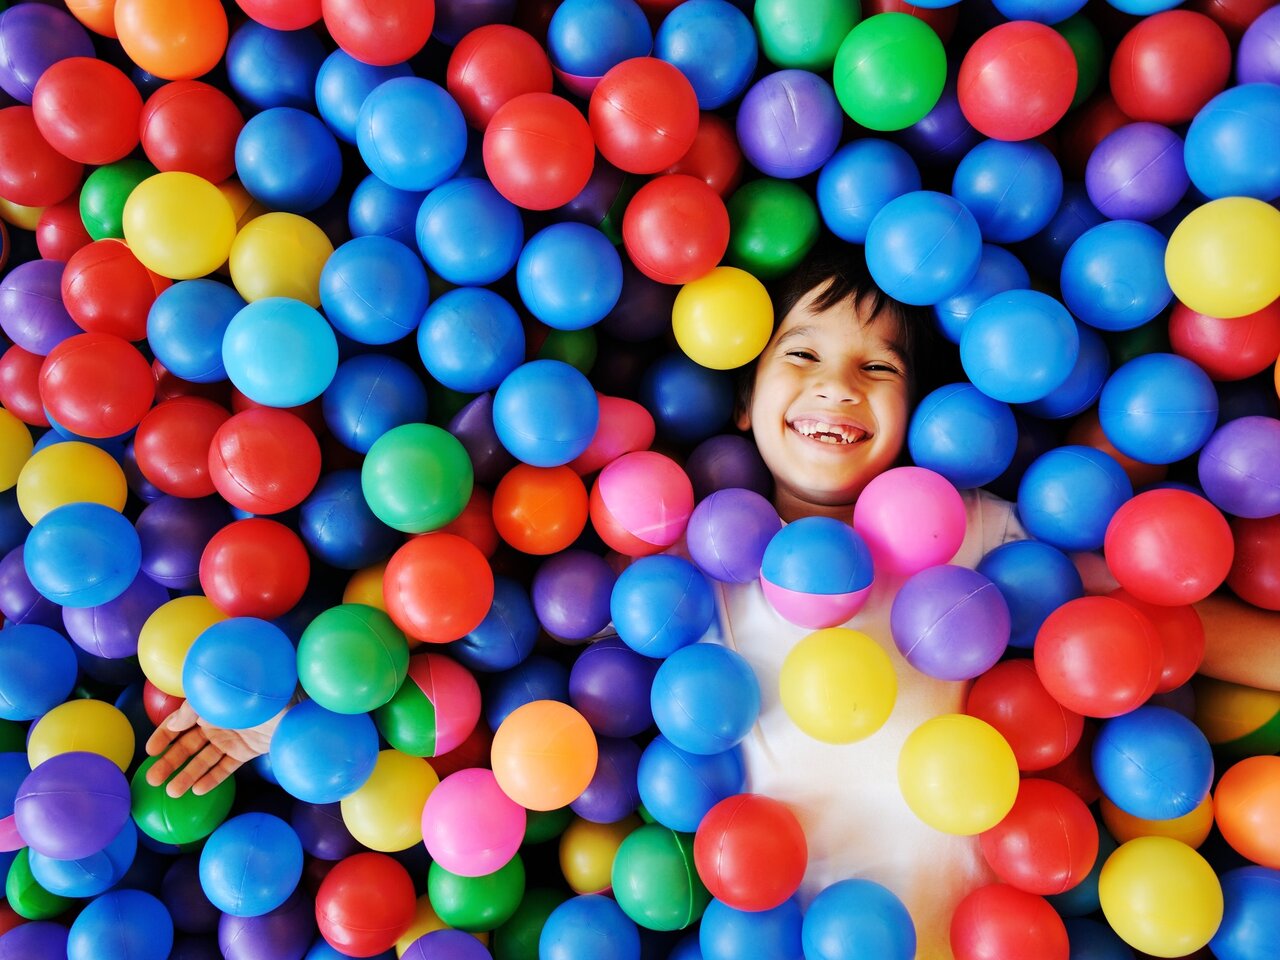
(1247, 808)
(173, 40)
(438, 587)
(544, 755)
(540, 510)
(98, 15)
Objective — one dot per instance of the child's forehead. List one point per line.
(848, 315)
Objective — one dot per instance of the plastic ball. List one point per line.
(477, 903)
(32, 40)
(239, 672)
(88, 876)
(545, 413)
(958, 774)
(654, 879)
(587, 926)
(173, 44)
(376, 209)
(1012, 189)
(470, 826)
(444, 944)
(536, 677)
(438, 588)
(816, 572)
(544, 755)
(643, 115)
(1009, 363)
(1137, 172)
(802, 35)
(106, 289)
(364, 904)
(858, 919)
(889, 71)
(1217, 255)
(92, 726)
(998, 272)
(789, 123)
(491, 223)
(192, 127)
(264, 460)
(1129, 747)
(859, 179)
(411, 133)
(179, 225)
(1238, 469)
(383, 33)
(714, 46)
(507, 633)
(342, 83)
(1017, 80)
(1254, 576)
(250, 864)
(1068, 496)
(288, 159)
(705, 698)
(1242, 806)
(675, 229)
(369, 395)
(171, 446)
(320, 756)
(728, 533)
(374, 290)
(1048, 842)
(750, 852)
(609, 684)
(932, 535)
(923, 247)
(962, 434)
(569, 276)
(82, 555)
(470, 339)
(274, 68)
(1256, 54)
(1249, 915)
(292, 925)
(681, 400)
(538, 151)
(1001, 920)
(178, 820)
(70, 472)
(87, 110)
(585, 39)
(121, 923)
(1113, 276)
(279, 255)
(838, 685)
(34, 317)
(352, 659)
(1012, 699)
(611, 797)
(724, 462)
(96, 385)
(39, 671)
(715, 157)
(492, 64)
(1169, 65)
(1232, 349)
(1034, 579)
(185, 327)
(950, 622)
(660, 604)
(587, 851)
(773, 224)
(752, 935)
(700, 312)
(416, 478)
(280, 352)
(435, 709)
(44, 176)
(69, 806)
(168, 634)
(385, 812)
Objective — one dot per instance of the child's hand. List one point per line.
(211, 754)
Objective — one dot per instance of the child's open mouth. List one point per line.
(830, 433)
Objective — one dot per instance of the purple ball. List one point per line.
(139, 486)
(727, 462)
(950, 622)
(728, 533)
(446, 945)
(1137, 172)
(38, 940)
(1258, 56)
(1240, 467)
(612, 793)
(174, 532)
(789, 123)
(31, 310)
(323, 832)
(20, 601)
(72, 805)
(183, 896)
(597, 198)
(943, 135)
(283, 934)
(571, 593)
(111, 630)
(473, 426)
(610, 686)
(643, 310)
(33, 37)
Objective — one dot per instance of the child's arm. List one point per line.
(198, 755)
(1242, 642)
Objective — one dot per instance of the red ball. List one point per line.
(20, 386)
(264, 460)
(437, 587)
(365, 904)
(1017, 80)
(1046, 844)
(60, 231)
(1098, 656)
(380, 32)
(540, 510)
(750, 852)
(96, 385)
(282, 14)
(475, 522)
(1227, 349)
(191, 127)
(675, 229)
(172, 445)
(255, 568)
(999, 922)
(1169, 547)
(493, 64)
(1010, 697)
(1181, 634)
(32, 172)
(1169, 66)
(943, 20)
(157, 703)
(538, 151)
(644, 115)
(87, 110)
(715, 157)
(1255, 572)
(1233, 16)
(106, 289)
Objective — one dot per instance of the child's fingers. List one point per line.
(221, 770)
(200, 764)
(178, 753)
(184, 718)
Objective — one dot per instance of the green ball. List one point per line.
(543, 825)
(890, 71)
(416, 478)
(574, 347)
(772, 225)
(178, 820)
(352, 658)
(25, 895)
(517, 939)
(655, 881)
(13, 737)
(804, 33)
(1086, 44)
(408, 721)
(103, 195)
(474, 904)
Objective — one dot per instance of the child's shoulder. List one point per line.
(989, 522)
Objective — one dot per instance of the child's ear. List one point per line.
(743, 419)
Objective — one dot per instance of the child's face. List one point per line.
(829, 407)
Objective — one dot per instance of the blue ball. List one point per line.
(341, 85)
(686, 948)
(1250, 926)
(1035, 579)
(370, 394)
(1074, 216)
(705, 698)
(677, 788)
(1091, 940)
(923, 247)
(998, 272)
(569, 276)
(1012, 189)
(1019, 346)
(714, 45)
(961, 433)
(689, 402)
(857, 920)
(411, 133)
(1041, 11)
(859, 179)
(660, 604)
(250, 864)
(506, 635)
(469, 233)
(1158, 408)
(1068, 496)
(128, 924)
(319, 756)
(534, 678)
(588, 927)
(1113, 276)
(587, 37)
(288, 160)
(729, 934)
(1153, 763)
(87, 876)
(379, 209)
(374, 290)
(338, 527)
(545, 413)
(240, 672)
(818, 555)
(280, 352)
(470, 339)
(274, 68)
(186, 325)
(1231, 144)
(38, 670)
(82, 555)
(1084, 384)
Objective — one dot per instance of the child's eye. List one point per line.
(880, 368)
(802, 354)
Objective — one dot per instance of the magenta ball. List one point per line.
(470, 827)
(728, 533)
(1240, 467)
(1137, 172)
(950, 622)
(610, 686)
(911, 518)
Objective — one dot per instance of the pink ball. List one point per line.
(470, 827)
(453, 692)
(815, 611)
(911, 518)
(641, 502)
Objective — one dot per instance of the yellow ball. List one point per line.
(24, 218)
(88, 726)
(1192, 828)
(587, 851)
(168, 634)
(15, 448)
(365, 586)
(1223, 259)
(70, 472)
(723, 319)
(1160, 896)
(838, 685)
(179, 225)
(279, 255)
(958, 774)
(385, 814)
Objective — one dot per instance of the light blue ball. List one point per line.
(1158, 408)
(677, 788)
(1035, 579)
(374, 290)
(545, 413)
(240, 672)
(569, 276)
(1068, 496)
(280, 352)
(1012, 189)
(857, 920)
(859, 179)
(660, 604)
(1113, 276)
(1231, 144)
(379, 209)
(1084, 384)
(123, 924)
(468, 233)
(729, 934)
(1041, 11)
(818, 555)
(589, 927)
(1153, 763)
(1019, 346)
(341, 85)
(319, 756)
(470, 339)
(82, 555)
(714, 45)
(998, 272)
(288, 160)
(411, 133)
(705, 698)
(961, 433)
(88, 876)
(923, 247)
(250, 864)
(186, 326)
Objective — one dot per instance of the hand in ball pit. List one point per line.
(623, 81)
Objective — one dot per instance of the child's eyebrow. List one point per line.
(795, 333)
